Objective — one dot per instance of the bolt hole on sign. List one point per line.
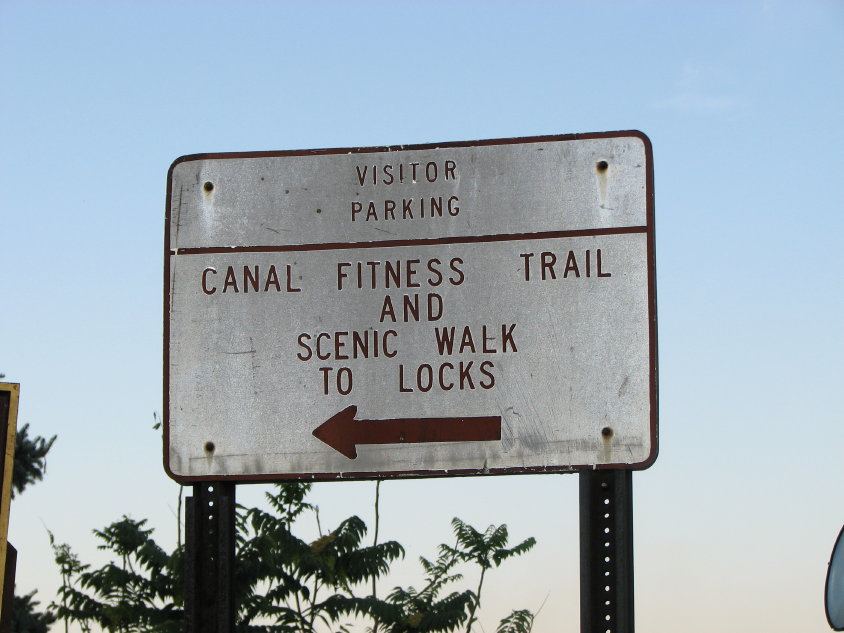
(458, 308)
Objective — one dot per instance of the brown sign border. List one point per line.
(652, 319)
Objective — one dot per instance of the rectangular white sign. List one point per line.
(461, 308)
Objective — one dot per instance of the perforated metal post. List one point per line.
(209, 560)
(606, 551)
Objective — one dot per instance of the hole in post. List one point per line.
(208, 186)
(209, 447)
(602, 165)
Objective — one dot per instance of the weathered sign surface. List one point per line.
(461, 308)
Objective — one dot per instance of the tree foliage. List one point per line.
(308, 584)
(140, 591)
(283, 583)
(27, 619)
(519, 621)
(485, 549)
(30, 459)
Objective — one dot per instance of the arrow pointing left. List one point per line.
(343, 433)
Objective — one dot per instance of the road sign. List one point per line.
(459, 308)
(9, 396)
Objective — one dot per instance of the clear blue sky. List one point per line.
(743, 102)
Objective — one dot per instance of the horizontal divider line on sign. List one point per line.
(435, 241)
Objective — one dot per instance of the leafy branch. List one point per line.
(283, 583)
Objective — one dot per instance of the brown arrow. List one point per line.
(343, 433)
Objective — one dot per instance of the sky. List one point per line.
(734, 523)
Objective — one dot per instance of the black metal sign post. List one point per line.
(606, 551)
(606, 555)
(209, 558)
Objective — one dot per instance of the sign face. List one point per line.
(461, 308)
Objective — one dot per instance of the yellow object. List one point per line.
(9, 394)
